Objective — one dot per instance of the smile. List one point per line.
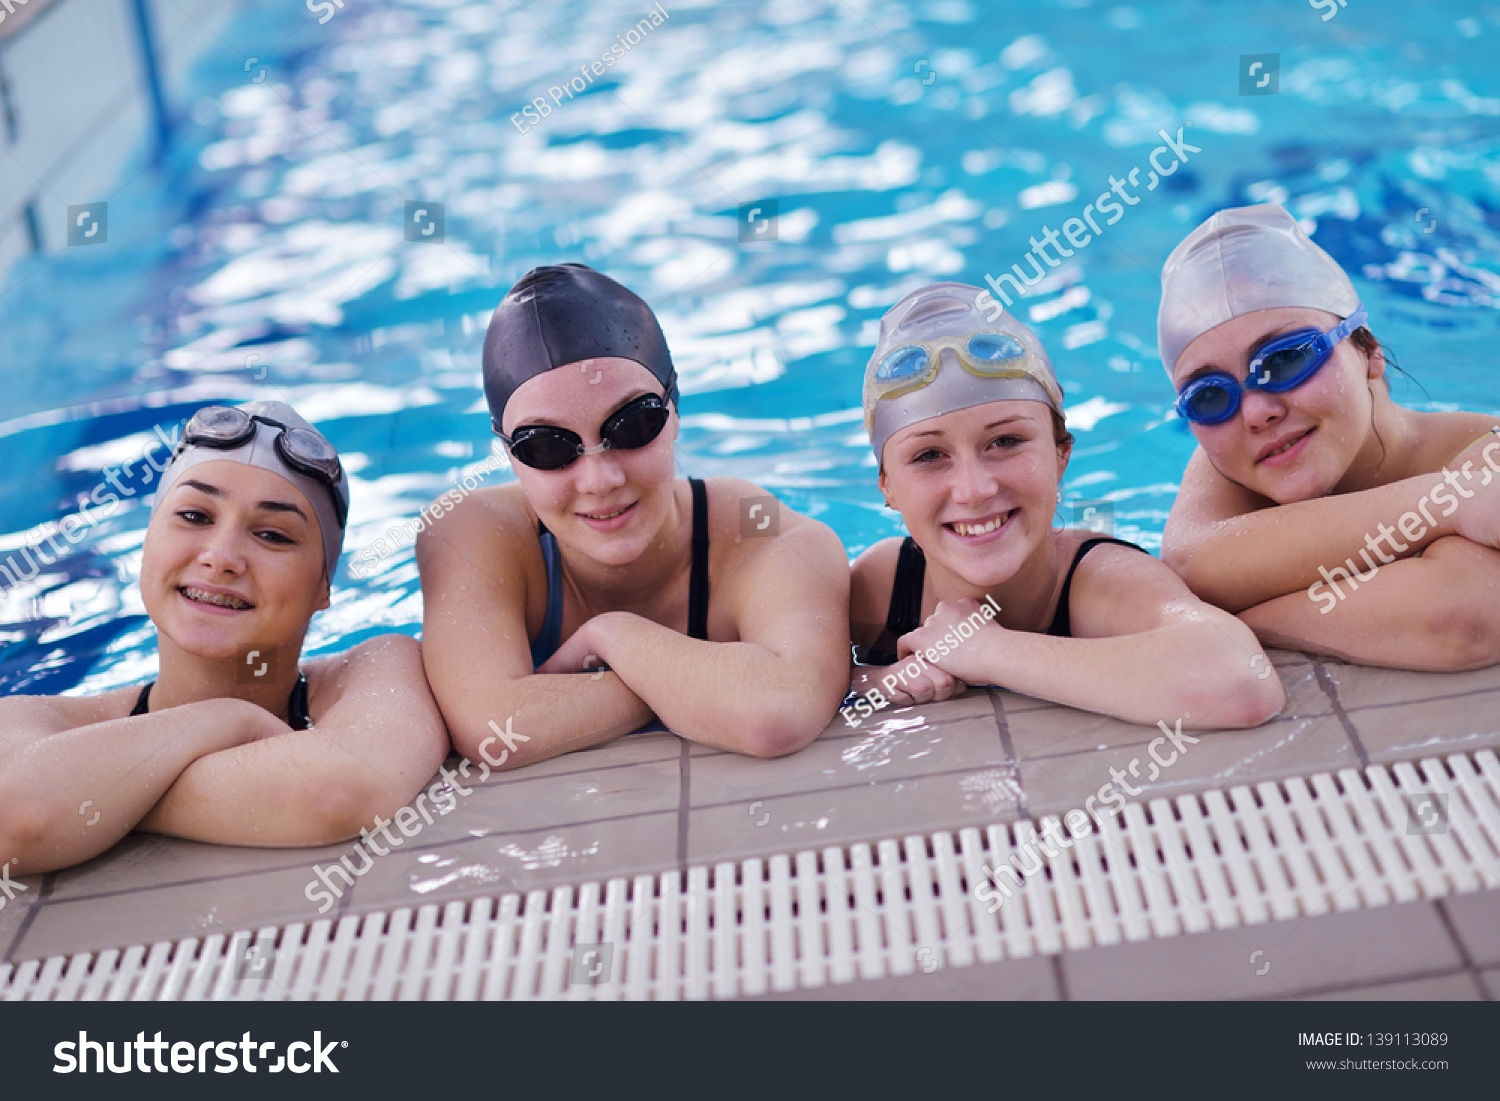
(607, 515)
(203, 596)
(963, 527)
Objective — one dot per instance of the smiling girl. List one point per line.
(1328, 517)
(966, 419)
(600, 589)
(238, 741)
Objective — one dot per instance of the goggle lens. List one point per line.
(994, 349)
(546, 447)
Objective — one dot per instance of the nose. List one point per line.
(223, 550)
(973, 481)
(598, 474)
(1261, 409)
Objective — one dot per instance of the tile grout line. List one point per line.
(1464, 957)
(1060, 978)
(997, 705)
(684, 806)
(25, 927)
(1325, 682)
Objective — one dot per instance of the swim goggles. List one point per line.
(225, 428)
(548, 447)
(987, 354)
(1280, 364)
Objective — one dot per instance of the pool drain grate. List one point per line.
(1213, 860)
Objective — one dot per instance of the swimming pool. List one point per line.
(900, 143)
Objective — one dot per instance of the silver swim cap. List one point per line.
(983, 355)
(1241, 260)
(330, 502)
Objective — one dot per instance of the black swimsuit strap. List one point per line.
(698, 580)
(1062, 622)
(296, 708)
(905, 611)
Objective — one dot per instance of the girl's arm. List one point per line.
(1435, 613)
(1144, 650)
(68, 792)
(478, 655)
(1236, 549)
(769, 693)
(377, 740)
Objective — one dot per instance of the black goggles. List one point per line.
(547, 447)
(225, 428)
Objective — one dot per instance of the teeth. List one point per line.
(605, 515)
(1285, 447)
(981, 529)
(202, 596)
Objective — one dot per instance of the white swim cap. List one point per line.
(1005, 361)
(1241, 260)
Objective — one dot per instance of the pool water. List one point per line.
(901, 144)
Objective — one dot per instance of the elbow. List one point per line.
(1464, 635)
(779, 731)
(27, 826)
(1233, 696)
(335, 808)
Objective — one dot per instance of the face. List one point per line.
(611, 505)
(977, 487)
(244, 536)
(1295, 445)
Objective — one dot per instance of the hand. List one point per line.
(931, 685)
(581, 653)
(1478, 516)
(968, 659)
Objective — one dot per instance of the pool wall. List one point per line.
(88, 89)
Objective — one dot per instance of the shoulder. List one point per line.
(1446, 435)
(390, 661)
(755, 523)
(1118, 589)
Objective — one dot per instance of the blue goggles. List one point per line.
(1281, 363)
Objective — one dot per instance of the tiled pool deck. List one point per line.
(653, 802)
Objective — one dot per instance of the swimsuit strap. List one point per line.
(698, 581)
(1062, 624)
(550, 636)
(905, 611)
(296, 707)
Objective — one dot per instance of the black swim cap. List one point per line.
(563, 313)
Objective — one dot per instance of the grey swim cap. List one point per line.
(1241, 260)
(941, 311)
(566, 313)
(260, 450)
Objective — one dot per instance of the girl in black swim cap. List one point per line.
(702, 603)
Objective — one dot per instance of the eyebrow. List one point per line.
(993, 424)
(265, 506)
(548, 422)
(1211, 368)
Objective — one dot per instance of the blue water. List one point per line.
(903, 143)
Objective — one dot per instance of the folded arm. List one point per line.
(70, 790)
(1144, 650)
(768, 694)
(377, 740)
(1437, 612)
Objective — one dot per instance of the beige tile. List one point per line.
(883, 809)
(14, 914)
(1459, 986)
(1054, 730)
(1362, 686)
(1476, 919)
(163, 913)
(892, 749)
(1405, 731)
(1307, 955)
(522, 800)
(1220, 758)
(520, 861)
(143, 860)
(1491, 981)
(1028, 980)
